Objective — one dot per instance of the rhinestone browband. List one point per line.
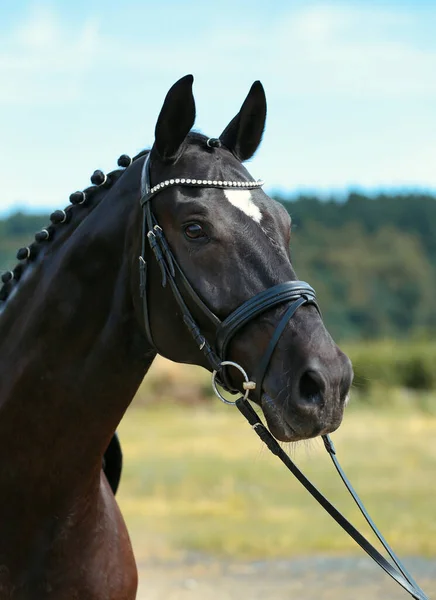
(148, 192)
(207, 182)
(211, 183)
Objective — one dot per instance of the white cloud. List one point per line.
(328, 49)
(42, 61)
(344, 84)
(40, 31)
(353, 51)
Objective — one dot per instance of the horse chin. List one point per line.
(279, 427)
(279, 423)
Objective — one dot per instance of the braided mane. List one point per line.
(63, 223)
(82, 203)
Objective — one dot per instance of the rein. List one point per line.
(298, 293)
(397, 571)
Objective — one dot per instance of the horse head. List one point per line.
(220, 247)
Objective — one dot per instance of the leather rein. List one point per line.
(298, 293)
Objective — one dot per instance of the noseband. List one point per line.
(297, 293)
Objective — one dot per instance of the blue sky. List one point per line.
(351, 88)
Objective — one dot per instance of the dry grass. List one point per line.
(196, 478)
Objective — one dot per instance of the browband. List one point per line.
(147, 192)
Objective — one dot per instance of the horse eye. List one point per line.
(194, 231)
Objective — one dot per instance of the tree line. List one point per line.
(372, 260)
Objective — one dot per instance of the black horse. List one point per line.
(81, 324)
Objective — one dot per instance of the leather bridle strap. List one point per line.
(168, 267)
(278, 294)
(332, 452)
(399, 574)
(297, 292)
(263, 365)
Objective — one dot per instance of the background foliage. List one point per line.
(371, 260)
(188, 489)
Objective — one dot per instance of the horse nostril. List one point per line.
(311, 387)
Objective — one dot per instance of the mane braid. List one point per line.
(59, 219)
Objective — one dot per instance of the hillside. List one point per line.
(371, 260)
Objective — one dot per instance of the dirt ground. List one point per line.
(314, 578)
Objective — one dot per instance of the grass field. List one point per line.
(197, 479)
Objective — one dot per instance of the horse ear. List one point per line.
(243, 134)
(176, 119)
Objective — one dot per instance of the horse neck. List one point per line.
(74, 352)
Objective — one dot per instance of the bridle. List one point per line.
(298, 293)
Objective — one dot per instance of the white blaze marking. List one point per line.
(242, 200)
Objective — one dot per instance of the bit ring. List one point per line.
(247, 385)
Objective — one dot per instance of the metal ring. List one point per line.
(229, 363)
